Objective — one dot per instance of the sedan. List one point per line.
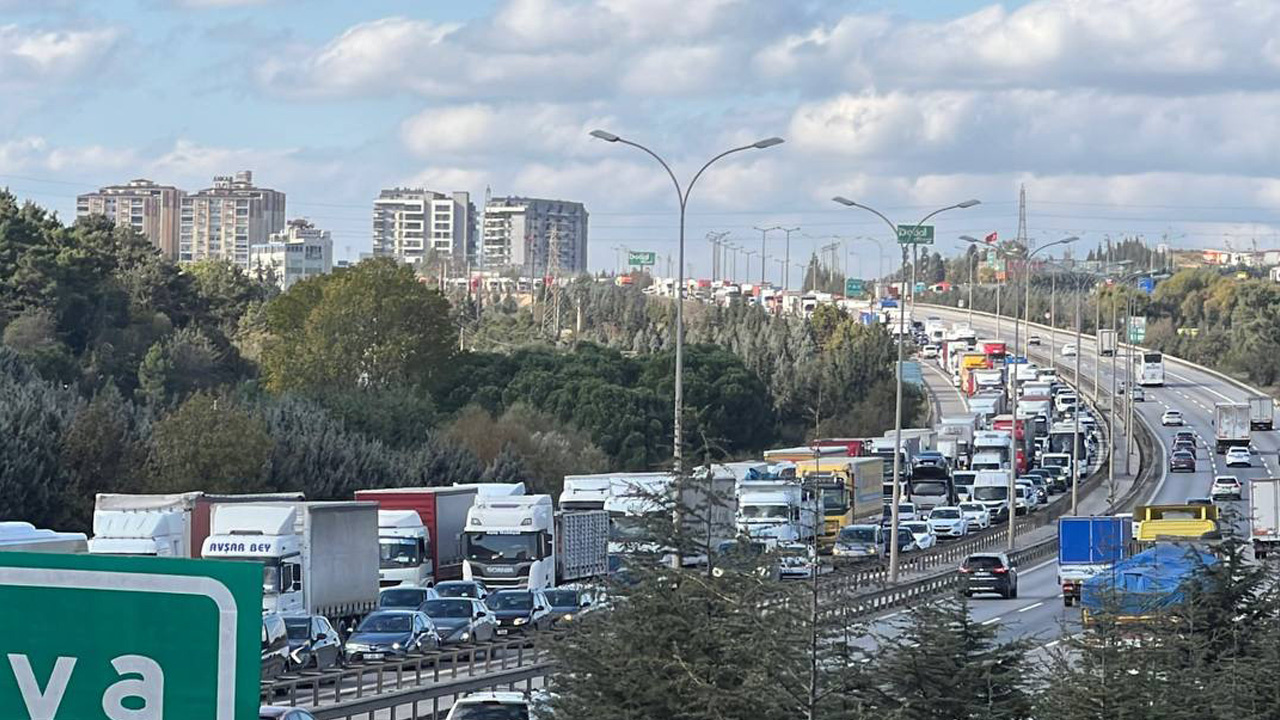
(922, 532)
(1069, 350)
(1226, 487)
(313, 643)
(568, 603)
(461, 620)
(1172, 418)
(1239, 457)
(490, 706)
(520, 610)
(1034, 340)
(949, 521)
(274, 712)
(1185, 446)
(473, 589)
(1182, 461)
(387, 634)
(1185, 436)
(979, 515)
(405, 597)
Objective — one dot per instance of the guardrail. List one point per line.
(425, 703)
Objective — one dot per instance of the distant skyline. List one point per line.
(1120, 116)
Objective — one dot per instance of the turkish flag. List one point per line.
(989, 239)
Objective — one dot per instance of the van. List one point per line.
(275, 646)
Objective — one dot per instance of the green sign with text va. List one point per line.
(110, 638)
(853, 286)
(641, 258)
(915, 234)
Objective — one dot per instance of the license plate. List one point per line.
(503, 631)
(373, 656)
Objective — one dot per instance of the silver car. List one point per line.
(461, 620)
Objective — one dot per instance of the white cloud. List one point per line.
(503, 131)
(30, 57)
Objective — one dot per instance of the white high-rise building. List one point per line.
(149, 208)
(410, 222)
(541, 236)
(225, 220)
(300, 252)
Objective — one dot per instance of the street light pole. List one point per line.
(682, 194)
(897, 422)
(764, 233)
(786, 261)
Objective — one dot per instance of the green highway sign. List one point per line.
(1137, 329)
(915, 234)
(641, 258)
(853, 286)
(115, 638)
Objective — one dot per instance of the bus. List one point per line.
(1151, 372)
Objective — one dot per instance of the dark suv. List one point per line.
(989, 573)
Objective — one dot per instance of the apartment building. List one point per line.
(541, 236)
(225, 220)
(299, 252)
(141, 204)
(410, 223)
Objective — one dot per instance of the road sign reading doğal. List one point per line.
(103, 638)
(641, 258)
(1137, 329)
(853, 286)
(915, 234)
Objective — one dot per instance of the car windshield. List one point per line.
(457, 589)
(1182, 455)
(298, 628)
(944, 514)
(835, 498)
(983, 562)
(765, 512)
(447, 608)
(858, 533)
(917, 528)
(490, 711)
(398, 552)
(906, 509)
(630, 528)
(929, 489)
(562, 598)
(511, 601)
(991, 492)
(385, 623)
(490, 547)
(973, 507)
(400, 598)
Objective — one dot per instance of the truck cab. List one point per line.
(266, 534)
(778, 510)
(154, 533)
(404, 549)
(510, 542)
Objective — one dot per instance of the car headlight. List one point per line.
(465, 636)
(567, 617)
(395, 646)
(518, 621)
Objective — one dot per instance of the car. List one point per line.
(1239, 457)
(281, 712)
(859, 541)
(1069, 350)
(1226, 487)
(906, 541)
(405, 597)
(1182, 461)
(473, 589)
(461, 620)
(1138, 394)
(385, 634)
(1120, 387)
(923, 534)
(949, 521)
(930, 352)
(797, 561)
(932, 459)
(1172, 418)
(519, 611)
(907, 512)
(1185, 435)
(989, 573)
(978, 514)
(275, 646)
(313, 643)
(1185, 446)
(1041, 485)
(490, 706)
(1033, 340)
(568, 603)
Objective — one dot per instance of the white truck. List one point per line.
(638, 503)
(522, 542)
(1264, 515)
(25, 537)
(991, 488)
(1262, 412)
(1230, 426)
(777, 511)
(955, 438)
(585, 492)
(166, 525)
(990, 450)
(430, 550)
(318, 558)
(1106, 342)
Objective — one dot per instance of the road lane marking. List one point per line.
(991, 621)
(1030, 607)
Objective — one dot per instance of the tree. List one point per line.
(374, 325)
(227, 291)
(103, 450)
(34, 418)
(179, 365)
(209, 443)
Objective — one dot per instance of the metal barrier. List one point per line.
(432, 702)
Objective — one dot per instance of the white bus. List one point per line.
(1151, 371)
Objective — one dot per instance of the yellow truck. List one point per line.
(851, 490)
(1175, 522)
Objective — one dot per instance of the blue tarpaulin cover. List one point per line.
(1144, 583)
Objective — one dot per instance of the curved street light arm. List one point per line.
(680, 193)
(703, 169)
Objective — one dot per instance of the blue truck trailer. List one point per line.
(1088, 546)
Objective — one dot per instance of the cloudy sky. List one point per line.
(1153, 117)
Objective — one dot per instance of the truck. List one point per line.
(521, 542)
(987, 380)
(1185, 522)
(777, 511)
(1106, 342)
(991, 488)
(850, 489)
(1088, 546)
(165, 525)
(442, 512)
(585, 492)
(804, 452)
(25, 537)
(1264, 515)
(955, 438)
(1023, 436)
(991, 450)
(318, 558)
(987, 405)
(1262, 411)
(883, 447)
(1230, 426)
(1142, 586)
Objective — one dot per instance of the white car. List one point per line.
(949, 521)
(907, 512)
(978, 514)
(489, 705)
(1172, 418)
(930, 352)
(1227, 487)
(924, 536)
(1034, 340)
(1239, 457)
(1069, 350)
